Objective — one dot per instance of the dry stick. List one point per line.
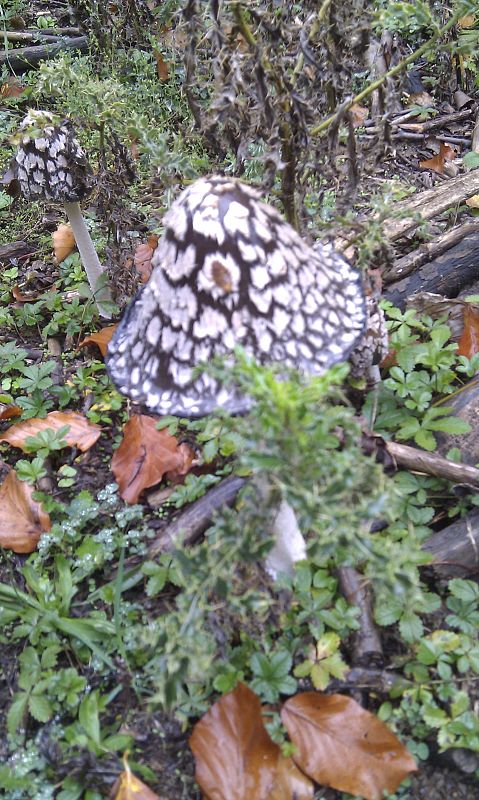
(428, 251)
(415, 460)
(437, 122)
(367, 646)
(430, 203)
(323, 126)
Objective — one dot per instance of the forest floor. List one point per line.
(113, 636)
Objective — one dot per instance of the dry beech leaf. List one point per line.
(162, 69)
(359, 115)
(236, 758)
(63, 242)
(436, 163)
(144, 456)
(473, 202)
(27, 297)
(22, 520)
(7, 411)
(100, 338)
(341, 745)
(11, 88)
(82, 434)
(142, 258)
(129, 787)
(469, 342)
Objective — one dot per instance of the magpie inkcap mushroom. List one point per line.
(230, 271)
(51, 165)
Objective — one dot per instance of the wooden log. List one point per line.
(448, 274)
(25, 58)
(426, 205)
(456, 548)
(428, 251)
(465, 405)
(15, 250)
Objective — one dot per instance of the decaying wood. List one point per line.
(437, 122)
(24, 58)
(465, 405)
(426, 205)
(367, 648)
(456, 548)
(415, 460)
(428, 251)
(40, 33)
(15, 250)
(448, 274)
(192, 523)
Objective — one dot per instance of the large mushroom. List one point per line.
(51, 165)
(229, 270)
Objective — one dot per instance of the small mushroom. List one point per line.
(229, 270)
(51, 165)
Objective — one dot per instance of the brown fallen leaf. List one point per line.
(235, 757)
(359, 114)
(142, 258)
(7, 411)
(129, 787)
(162, 69)
(11, 88)
(63, 242)
(100, 338)
(144, 456)
(469, 342)
(341, 745)
(22, 520)
(473, 202)
(436, 163)
(82, 434)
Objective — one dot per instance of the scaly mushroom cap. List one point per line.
(50, 164)
(229, 271)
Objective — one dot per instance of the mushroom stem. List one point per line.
(89, 257)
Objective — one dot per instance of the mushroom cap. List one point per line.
(230, 271)
(50, 164)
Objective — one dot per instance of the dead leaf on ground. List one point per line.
(473, 202)
(341, 745)
(436, 163)
(145, 455)
(359, 115)
(236, 758)
(100, 338)
(469, 342)
(11, 88)
(82, 434)
(27, 297)
(143, 256)
(8, 410)
(22, 520)
(162, 69)
(129, 787)
(63, 242)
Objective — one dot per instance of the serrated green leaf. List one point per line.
(40, 707)
(16, 712)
